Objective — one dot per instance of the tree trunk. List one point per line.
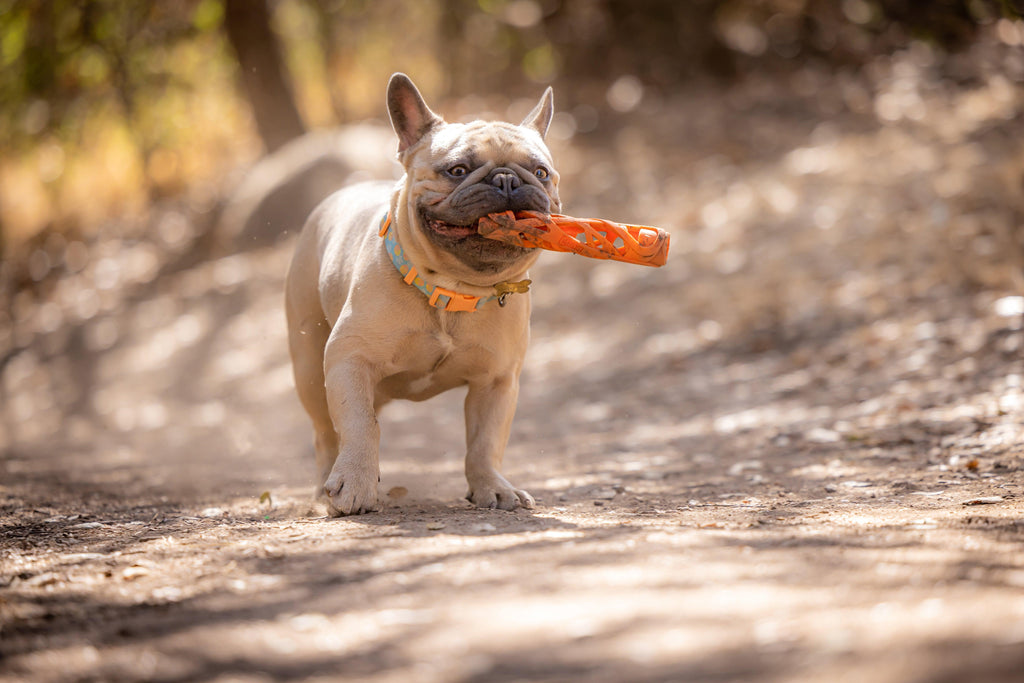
(264, 75)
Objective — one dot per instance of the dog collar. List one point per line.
(440, 297)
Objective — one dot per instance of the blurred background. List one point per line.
(818, 162)
(798, 407)
(111, 106)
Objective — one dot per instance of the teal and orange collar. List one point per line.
(439, 297)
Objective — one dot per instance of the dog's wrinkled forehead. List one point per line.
(480, 142)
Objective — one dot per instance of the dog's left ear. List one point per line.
(410, 116)
(540, 118)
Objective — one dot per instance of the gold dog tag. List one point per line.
(521, 287)
(503, 289)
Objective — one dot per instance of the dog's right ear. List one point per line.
(410, 116)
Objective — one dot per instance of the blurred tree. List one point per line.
(331, 47)
(120, 100)
(263, 72)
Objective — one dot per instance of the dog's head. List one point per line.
(456, 173)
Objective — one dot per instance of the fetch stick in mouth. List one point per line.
(591, 237)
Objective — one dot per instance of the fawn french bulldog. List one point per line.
(392, 294)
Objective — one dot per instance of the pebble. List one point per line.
(86, 525)
(271, 552)
(745, 465)
(484, 528)
(822, 435)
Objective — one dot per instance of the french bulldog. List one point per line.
(391, 294)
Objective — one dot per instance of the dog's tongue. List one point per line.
(450, 229)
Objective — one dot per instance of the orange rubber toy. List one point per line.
(591, 237)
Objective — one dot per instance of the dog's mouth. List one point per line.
(446, 229)
(462, 240)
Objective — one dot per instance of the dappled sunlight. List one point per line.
(792, 453)
(649, 595)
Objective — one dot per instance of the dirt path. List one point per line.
(793, 454)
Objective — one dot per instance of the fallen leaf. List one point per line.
(47, 579)
(134, 572)
(984, 500)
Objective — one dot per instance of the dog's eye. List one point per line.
(458, 171)
(541, 173)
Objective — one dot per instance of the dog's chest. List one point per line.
(429, 363)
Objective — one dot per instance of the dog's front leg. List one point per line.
(490, 407)
(351, 486)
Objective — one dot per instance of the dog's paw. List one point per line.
(350, 494)
(500, 494)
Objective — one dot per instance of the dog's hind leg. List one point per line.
(308, 331)
(307, 344)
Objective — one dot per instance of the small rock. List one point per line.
(822, 435)
(435, 526)
(1009, 306)
(484, 528)
(745, 465)
(604, 494)
(86, 525)
(831, 488)
(856, 484)
(396, 492)
(272, 552)
(212, 512)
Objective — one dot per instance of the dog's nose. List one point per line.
(504, 179)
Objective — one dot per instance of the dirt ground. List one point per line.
(793, 454)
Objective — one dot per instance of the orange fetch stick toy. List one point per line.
(591, 237)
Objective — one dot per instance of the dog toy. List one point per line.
(591, 237)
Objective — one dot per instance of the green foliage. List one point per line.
(72, 71)
(66, 57)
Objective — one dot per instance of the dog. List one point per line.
(391, 294)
